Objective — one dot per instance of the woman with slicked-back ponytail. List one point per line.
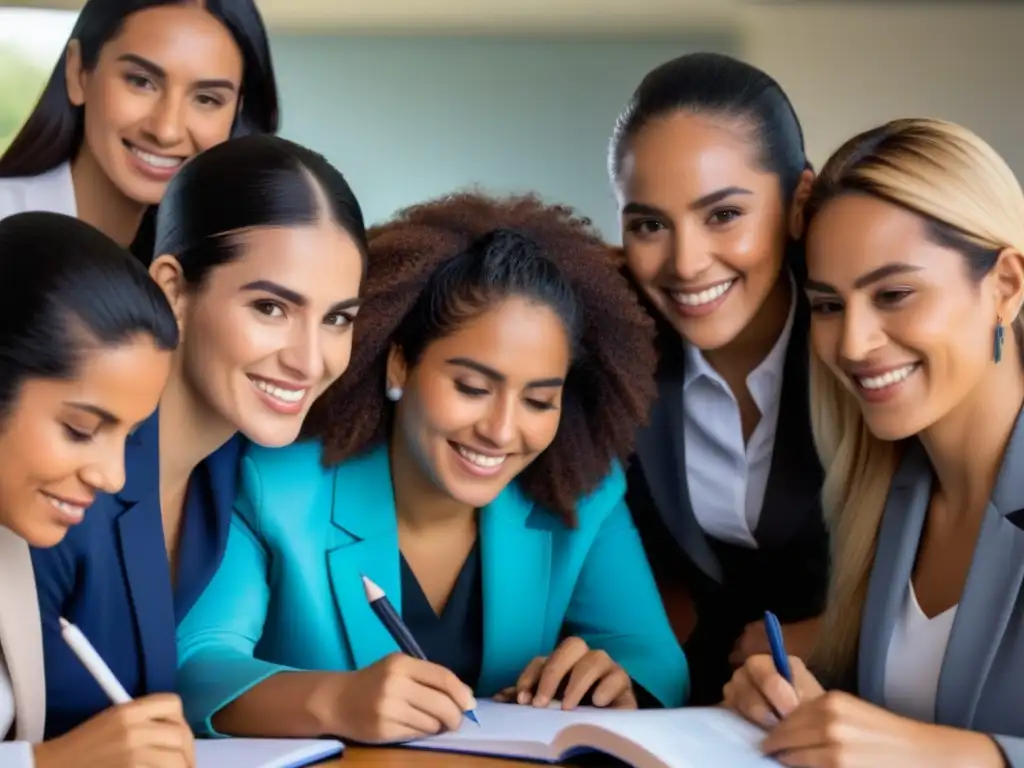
(916, 283)
(260, 252)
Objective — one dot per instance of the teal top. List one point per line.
(289, 596)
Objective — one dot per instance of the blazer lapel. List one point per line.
(990, 595)
(515, 540)
(662, 452)
(140, 535)
(795, 478)
(21, 636)
(896, 551)
(365, 544)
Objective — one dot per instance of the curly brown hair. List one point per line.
(610, 385)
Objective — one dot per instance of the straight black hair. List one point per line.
(717, 84)
(64, 286)
(254, 181)
(54, 131)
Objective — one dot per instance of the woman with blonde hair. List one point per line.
(916, 281)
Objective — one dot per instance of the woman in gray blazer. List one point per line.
(85, 341)
(916, 282)
(142, 86)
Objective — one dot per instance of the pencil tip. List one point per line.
(64, 623)
(472, 716)
(373, 592)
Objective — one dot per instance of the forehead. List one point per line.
(692, 154)
(319, 260)
(124, 380)
(185, 40)
(521, 339)
(855, 234)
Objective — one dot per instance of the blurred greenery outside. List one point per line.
(21, 82)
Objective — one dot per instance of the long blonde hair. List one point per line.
(970, 198)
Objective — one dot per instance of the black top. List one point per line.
(455, 639)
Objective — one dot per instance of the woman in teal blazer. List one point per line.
(468, 465)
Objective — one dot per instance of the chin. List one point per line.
(272, 435)
(43, 535)
(893, 428)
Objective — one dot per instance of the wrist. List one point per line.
(968, 749)
(42, 755)
(326, 703)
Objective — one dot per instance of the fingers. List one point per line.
(744, 696)
(506, 695)
(439, 706)
(527, 682)
(563, 659)
(593, 667)
(615, 690)
(159, 706)
(773, 687)
(437, 677)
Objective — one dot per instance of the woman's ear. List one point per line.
(166, 271)
(796, 208)
(74, 73)
(397, 370)
(1008, 284)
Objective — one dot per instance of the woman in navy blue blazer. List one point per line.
(260, 250)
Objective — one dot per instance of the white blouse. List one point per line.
(914, 660)
(13, 754)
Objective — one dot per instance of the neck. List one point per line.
(419, 504)
(190, 430)
(101, 204)
(744, 353)
(966, 447)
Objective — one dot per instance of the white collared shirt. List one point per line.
(52, 191)
(727, 478)
(13, 754)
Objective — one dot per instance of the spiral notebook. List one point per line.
(667, 738)
(264, 753)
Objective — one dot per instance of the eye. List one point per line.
(138, 81)
(338, 320)
(75, 435)
(825, 306)
(724, 216)
(644, 227)
(268, 308)
(209, 100)
(540, 405)
(468, 390)
(892, 297)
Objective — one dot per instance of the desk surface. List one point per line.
(366, 757)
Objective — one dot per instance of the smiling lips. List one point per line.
(157, 167)
(701, 302)
(73, 512)
(477, 463)
(881, 384)
(279, 396)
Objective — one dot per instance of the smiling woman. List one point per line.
(500, 370)
(262, 249)
(142, 86)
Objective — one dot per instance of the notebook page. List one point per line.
(263, 753)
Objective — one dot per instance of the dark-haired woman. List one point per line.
(85, 349)
(142, 87)
(709, 167)
(262, 248)
(501, 369)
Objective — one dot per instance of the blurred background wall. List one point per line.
(413, 99)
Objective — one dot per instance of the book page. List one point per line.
(263, 753)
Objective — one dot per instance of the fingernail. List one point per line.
(472, 702)
(540, 701)
(523, 697)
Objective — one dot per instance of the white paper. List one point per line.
(263, 753)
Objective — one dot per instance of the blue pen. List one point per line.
(396, 627)
(779, 655)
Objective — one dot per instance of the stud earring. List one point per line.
(997, 352)
(394, 394)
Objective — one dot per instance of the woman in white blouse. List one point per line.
(85, 343)
(916, 282)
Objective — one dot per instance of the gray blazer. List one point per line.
(981, 685)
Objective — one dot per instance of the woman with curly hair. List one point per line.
(468, 464)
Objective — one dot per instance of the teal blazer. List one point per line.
(288, 594)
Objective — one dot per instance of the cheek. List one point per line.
(337, 355)
(646, 258)
(754, 250)
(211, 128)
(540, 430)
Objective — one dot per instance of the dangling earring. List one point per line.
(394, 394)
(997, 352)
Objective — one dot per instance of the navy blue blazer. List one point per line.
(110, 576)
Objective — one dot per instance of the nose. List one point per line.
(166, 124)
(862, 333)
(498, 425)
(107, 473)
(303, 356)
(691, 254)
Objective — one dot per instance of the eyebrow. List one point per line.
(159, 72)
(296, 298)
(490, 373)
(704, 201)
(102, 414)
(874, 276)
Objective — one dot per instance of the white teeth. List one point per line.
(703, 297)
(156, 161)
(487, 462)
(888, 378)
(72, 509)
(284, 395)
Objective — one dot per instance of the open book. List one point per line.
(665, 738)
(264, 753)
